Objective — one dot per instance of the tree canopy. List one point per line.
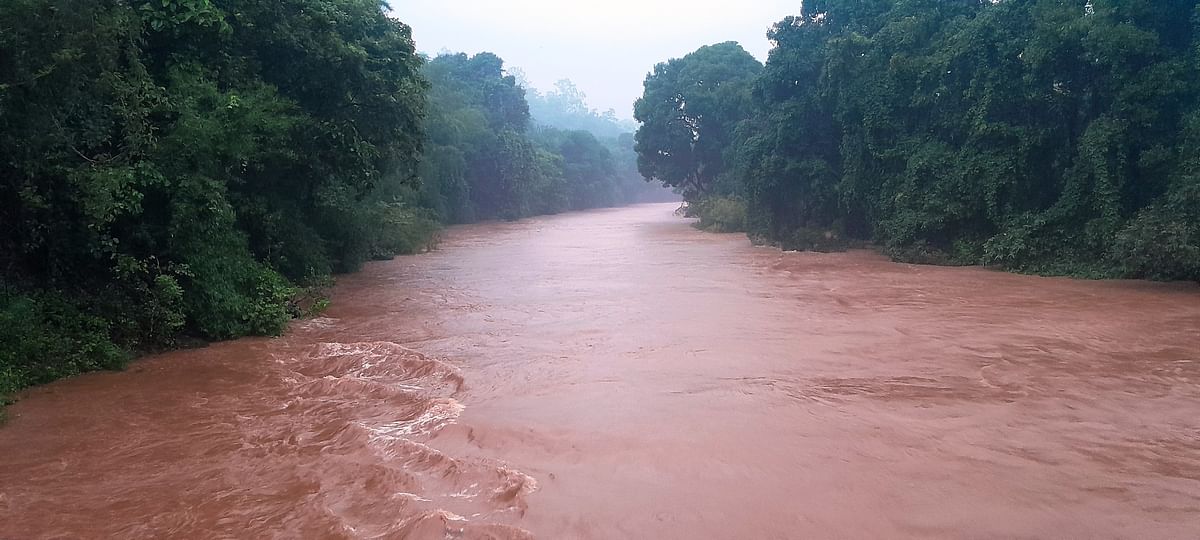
(185, 156)
(196, 168)
(487, 158)
(566, 107)
(688, 112)
(1037, 135)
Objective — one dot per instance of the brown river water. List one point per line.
(618, 374)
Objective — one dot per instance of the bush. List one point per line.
(1019, 244)
(722, 214)
(1159, 244)
(299, 252)
(400, 229)
(231, 295)
(144, 307)
(268, 312)
(44, 337)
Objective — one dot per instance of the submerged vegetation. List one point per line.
(1043, 136)
(198, 168)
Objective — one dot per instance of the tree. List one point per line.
(566, 108)
(1037, 135)
(688, 111)
(179, 165)
(483, 163)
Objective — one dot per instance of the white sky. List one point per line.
(605, 46)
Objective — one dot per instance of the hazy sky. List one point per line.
(605, 47)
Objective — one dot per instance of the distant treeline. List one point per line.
(1045, 136)
(199, 168)
(486, 159)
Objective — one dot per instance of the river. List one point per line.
(619, 374)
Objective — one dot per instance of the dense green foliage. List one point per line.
(688, 113)
(719, 213)
(486, 159)
(195, 168)
(188, 167)
(1047, 136)
(182, 165)
(565, 109)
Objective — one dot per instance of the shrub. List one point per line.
(400, 229)
(1159, 244)
(44, 336)
(267, 313)
(231, 295)
(722, 214)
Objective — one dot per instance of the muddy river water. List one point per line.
(618, 374)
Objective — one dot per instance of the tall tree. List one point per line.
(1039, 135)
(177, 165)
(689, 110)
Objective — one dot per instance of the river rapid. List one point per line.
(619, 374)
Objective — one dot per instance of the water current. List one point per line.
(619, 374)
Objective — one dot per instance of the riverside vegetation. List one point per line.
(1044, 136)
(197, 169)
(183, 170)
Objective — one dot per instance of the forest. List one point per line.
(1044, 136)
(345, 269)
(178, 171)
(181, 171)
